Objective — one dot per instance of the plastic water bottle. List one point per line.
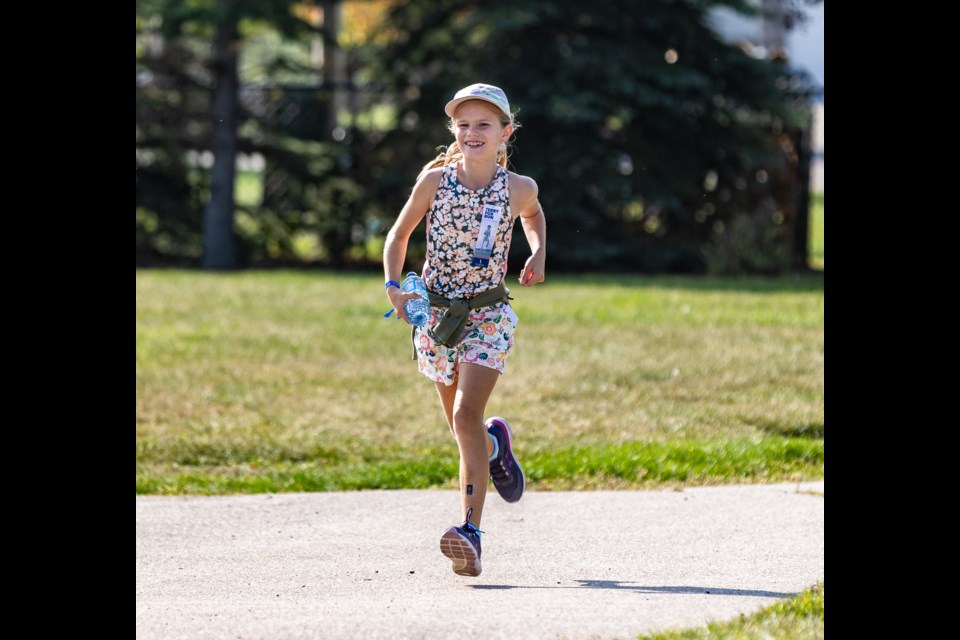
(418, 311)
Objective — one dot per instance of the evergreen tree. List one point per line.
(652, 139)
(188, 106)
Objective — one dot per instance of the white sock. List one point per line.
(496, 447)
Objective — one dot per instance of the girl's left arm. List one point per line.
(535, 229)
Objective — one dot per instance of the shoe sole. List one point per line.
(465, 560)
(523, 476)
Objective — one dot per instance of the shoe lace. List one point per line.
(469, 526)
(499, 471)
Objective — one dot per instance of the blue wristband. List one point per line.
(392, 283)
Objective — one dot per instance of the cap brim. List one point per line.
(451, 107)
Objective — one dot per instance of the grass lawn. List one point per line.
(816, 230)
(293, 381)
(800, 618)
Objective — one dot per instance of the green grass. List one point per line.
(816, 231)
(378, 117)
(249, 188)
(800, 618)
(294, 381)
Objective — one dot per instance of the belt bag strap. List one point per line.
(450, 327)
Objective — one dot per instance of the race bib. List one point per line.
(489, 221)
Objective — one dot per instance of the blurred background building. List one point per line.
(767, 35)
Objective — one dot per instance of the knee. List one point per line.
(466, 419)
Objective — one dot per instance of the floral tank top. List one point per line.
(453, 228)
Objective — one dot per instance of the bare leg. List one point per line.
(448, 396)
(474, 387)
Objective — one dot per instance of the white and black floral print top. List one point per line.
(453, 224)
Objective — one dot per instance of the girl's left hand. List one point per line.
(533, 271)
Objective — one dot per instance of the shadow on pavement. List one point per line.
(633, 586)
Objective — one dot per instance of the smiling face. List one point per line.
(479, 130)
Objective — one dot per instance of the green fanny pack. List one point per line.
(449, 329)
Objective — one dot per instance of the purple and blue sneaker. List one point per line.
(504, 469)
(462, 545)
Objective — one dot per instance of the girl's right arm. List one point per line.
(395, 247)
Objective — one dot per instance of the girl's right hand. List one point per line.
(398, 299)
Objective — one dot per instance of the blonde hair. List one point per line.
(452, 154)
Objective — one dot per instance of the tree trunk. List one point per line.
(219, 249)
(801, 232)
(334, 64)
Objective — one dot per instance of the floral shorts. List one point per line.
(487, 339)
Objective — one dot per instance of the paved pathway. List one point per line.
(367, 565)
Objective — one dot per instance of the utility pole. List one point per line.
(334, 67)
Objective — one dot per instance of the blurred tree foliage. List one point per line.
(657, 147)
(281, 109)
(651, 139)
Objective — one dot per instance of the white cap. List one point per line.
(487, 92)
